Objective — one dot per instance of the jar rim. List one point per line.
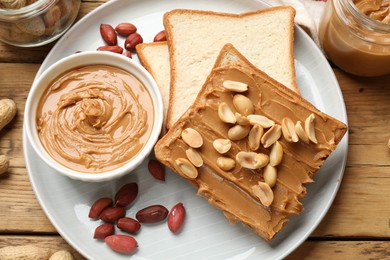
(364, 19)
(25, 12)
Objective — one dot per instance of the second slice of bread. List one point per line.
(265, 37)
(154, 56)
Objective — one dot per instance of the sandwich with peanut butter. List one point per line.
(250, 145)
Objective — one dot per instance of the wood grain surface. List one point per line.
(356, 227)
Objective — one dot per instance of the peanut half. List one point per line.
(276, 154)
(241, 120)
(192, 137)
(309, 128)
(243, 105)
(264, 121)
(271, 136)
(222, 145)
(186, 168)
(226, 114)
(226, 163)
(235, 86)
(288, 130)
(301, 132)
(252, 160)
(264, 192)
(270, 175)
(238, 132)
(254, 137)
(194, 157)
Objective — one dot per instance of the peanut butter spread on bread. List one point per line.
(235, 191)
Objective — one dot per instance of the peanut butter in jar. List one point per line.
(355, 35)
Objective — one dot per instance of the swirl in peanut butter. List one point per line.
(95, 118)
(378, 10)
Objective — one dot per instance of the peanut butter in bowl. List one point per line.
(94, 116)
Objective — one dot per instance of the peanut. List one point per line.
(7, 111)
(271, 136)
(264, 192)
(192, 137)
(176, 217)
(34, 26)
(243, 105)
(4, 163)
(301, 132)
(115, 49)
(61, 255)
(152, 214)
(133, 40)
(123, 244)
(186, 168)
(276, 154)
(222, 145)
(310, 129)
(24, 252)
(270, 175)
(264, 121)
(129, 225)
(238, 132)
(108, 34)
(235, 86)
(125, 29)
(254, 137)
(112, 214)
(98, 206)
(126, 194)
(103, 231)
(226, 114)
(226, 163)
(160, 37)
(241, 120)
(252, 160)
(194, 157)
(288, 130)
(157, 170)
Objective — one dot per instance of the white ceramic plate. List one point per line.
(206, 233)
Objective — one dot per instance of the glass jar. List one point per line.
(353, 41)
(33, 23)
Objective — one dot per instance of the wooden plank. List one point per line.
(308, 250)
(361, 208)
(368, 108)
(342, 250)
(50, 242)
(360, 200)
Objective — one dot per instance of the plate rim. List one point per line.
(343, 145)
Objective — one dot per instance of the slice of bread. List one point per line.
(236, 191)
(264, 37)
(154, 56)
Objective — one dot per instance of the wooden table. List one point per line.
(356, 227)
